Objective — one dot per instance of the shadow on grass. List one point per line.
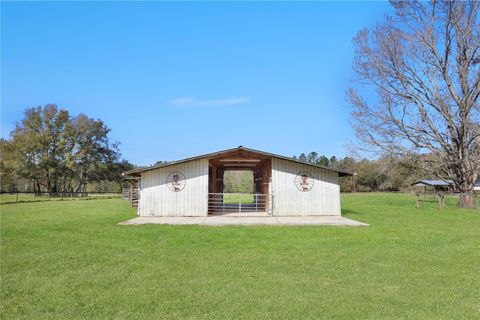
(352, 212)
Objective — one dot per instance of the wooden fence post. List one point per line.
(418, 201)
(441, 201)
(130, 195)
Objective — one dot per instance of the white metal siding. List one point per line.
(156, 199)
(322, 199)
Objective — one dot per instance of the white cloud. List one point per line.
(183, 101)
(193, 102)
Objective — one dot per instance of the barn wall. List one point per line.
(156, 198)
(322, 199)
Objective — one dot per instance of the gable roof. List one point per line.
(440, 183)
(240, 148)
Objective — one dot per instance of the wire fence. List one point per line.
(14, 197)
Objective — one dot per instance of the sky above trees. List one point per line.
(174, 80)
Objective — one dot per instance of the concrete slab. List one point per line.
(249, 221)
(164, 220)
(323, 220)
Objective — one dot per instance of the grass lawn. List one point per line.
(27, 197)
(70, 260)
(239, 198)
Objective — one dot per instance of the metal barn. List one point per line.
(195, 186)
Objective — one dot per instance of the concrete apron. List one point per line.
(248, 221)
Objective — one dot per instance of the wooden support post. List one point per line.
(214, 180)
(418, 201)
(130, 194)
(441, 201)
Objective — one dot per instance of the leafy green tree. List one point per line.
(323, 161)
(368, 176)
(238, 181)
(91, 151)
(333, 162)
(8, 173)
(57, 152)
(312, 157)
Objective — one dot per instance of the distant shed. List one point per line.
(434, 185)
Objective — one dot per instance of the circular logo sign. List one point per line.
(304, 181)
(176, 181)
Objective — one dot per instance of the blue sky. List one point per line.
(174, 80)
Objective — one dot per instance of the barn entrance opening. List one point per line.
(239, 184)
(238, 187)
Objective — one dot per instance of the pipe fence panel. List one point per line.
(224, 203)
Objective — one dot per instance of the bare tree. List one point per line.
(424, 66)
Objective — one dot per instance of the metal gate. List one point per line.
(240, 203)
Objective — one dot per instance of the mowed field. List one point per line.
(30, 197)
(71, 260)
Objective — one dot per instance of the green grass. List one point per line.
(8, 197)
(27, 197)
(71, 260)
(238, 198)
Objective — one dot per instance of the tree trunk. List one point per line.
(48, 183)
(467, 200)
(467, 196)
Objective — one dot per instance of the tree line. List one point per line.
(387, 173)
(52, 151)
